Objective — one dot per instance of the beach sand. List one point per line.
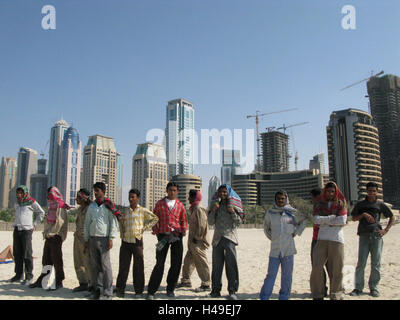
(252, 252)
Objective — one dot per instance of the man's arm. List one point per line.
(387, 213)
(267, 226)
(150, 219)
(183, 220)
(38, 209)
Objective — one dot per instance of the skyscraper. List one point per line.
(56, 138)
(27, 165)
(8, 178)
(213, 185)
(100, 164)
(39, 183)
(384, 97)
(230, 165)
(70, 165)
(275, 151)
(120, 175)
(353, 153)
(318, 162)
(149, 173)
(179, 137)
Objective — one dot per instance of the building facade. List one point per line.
(70, 171)
(8, 178)
(55, 152)
(260, 188)
(230, 165)
(150, 173)
(100, 164)
(275, 151)
(179, 134)
(384, 98)
(39, 183)
(353, 153)
(185, 183)
(27, 165)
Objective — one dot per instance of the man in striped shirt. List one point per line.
(170, 230)
(136, 220)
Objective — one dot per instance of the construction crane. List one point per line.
(296, 155)
(292, 125)
(42, 153)
(353, 84)
(257, 116)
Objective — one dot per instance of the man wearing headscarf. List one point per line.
(226, 216)
(22, 236)
(81, 256)
(54, 233)
(198, 243)
(281, 226)
(330, 213)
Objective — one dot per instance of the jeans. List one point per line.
(369, 244)
(224, 253)
(286, 277)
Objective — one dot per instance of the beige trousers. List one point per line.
(196, 257)
(82, 263)
(332, 254)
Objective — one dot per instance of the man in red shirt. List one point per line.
(170, 230)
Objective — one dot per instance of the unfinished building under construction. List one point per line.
(384, 97)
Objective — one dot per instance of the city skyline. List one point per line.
(115, 78)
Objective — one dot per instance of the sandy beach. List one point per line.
(252, 254)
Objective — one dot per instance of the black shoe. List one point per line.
(120, 294)
(90, 289)
(82, 287)
(170, 294)
(355, 293)
(36, 284)
(318, 298)
(15, 279)
(150, 296)
(374, 293)
(139, 295)
(202, 288)
(95, 295)
(215, 294)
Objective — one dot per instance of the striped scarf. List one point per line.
(26, 200)
(55, 201)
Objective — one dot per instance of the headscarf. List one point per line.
(338, 195)
(55, 201)
(26, 200)
(197, 199)
(83, 196)
(287, 208)
(233, 200)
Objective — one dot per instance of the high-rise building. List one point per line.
(275, 151)
(120, 171)
(39, 183)
(70, 170)
(100, 164)
(27, 165)
(8, 178)
(259, 188)
(185, 183)
(179, 133)
(230, 165)
(55, 152)
(149, 173)
(353, 153)
(318, 162)
(384, 98)
(213, 185)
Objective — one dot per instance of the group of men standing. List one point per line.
(98, 221)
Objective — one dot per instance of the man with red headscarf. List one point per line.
(198, 243)
(54, 232)
(330, 213)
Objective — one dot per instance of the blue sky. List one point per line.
(111, 66)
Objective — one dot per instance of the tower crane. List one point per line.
(292, 125)
(353, 84)
(296, 156)
(258, 115)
